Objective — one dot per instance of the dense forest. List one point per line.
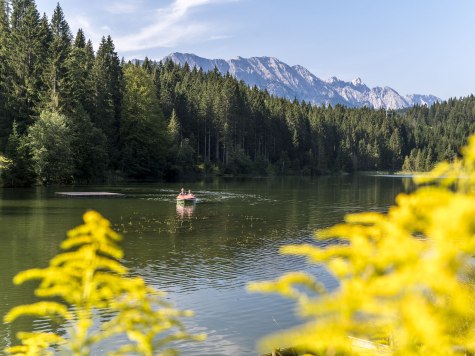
(71, 114)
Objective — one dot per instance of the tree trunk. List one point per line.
(217, 146)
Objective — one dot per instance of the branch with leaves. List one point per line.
(406, 277)
(90, 277)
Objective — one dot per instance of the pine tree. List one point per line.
(25, 55)
(107, 75)
(104, 103)
(396, 149)
(45, 38)
(407, 166)
(78, 82)
(116, 79)
(56, 69)
(419, 161)
(89, 99)
(174, 129)
(142, 134)
(89, 144)
(5, 122)
(80, 40)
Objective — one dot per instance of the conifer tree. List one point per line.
(116, 78)
(224, 121)
(89, 99)
(4, 73)
(88, 143)
(78, 81)
(174, 129)
(25, 54)
(19, 173)
(142, 129)
(396, 149)
(181, 155)
(107, 75)
(45, 38)
(56, 68)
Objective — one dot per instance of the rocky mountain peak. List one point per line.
(290, 82)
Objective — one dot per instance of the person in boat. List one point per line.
(182, 192)
(189, 191)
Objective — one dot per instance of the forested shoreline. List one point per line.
(69, 114)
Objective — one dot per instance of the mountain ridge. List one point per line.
(283, 80)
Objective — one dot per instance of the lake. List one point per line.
(202, 256)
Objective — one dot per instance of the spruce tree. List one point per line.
(174, 129)
(116, 78)
(89, 99)
(80, 40)
(78, 83)
(5, 122)
(56, 68)
(107, 75)
(88, 145)
(25, 56)
(142, 134)
(45, 37)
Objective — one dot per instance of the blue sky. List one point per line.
(413, 46)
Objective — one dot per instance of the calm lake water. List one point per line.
(204, 255)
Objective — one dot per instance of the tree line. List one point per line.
(71, 114)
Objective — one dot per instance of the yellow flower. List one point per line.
(406, 277)
(90, 276)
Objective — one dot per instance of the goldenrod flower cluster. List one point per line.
(406, 277)
(89, 277)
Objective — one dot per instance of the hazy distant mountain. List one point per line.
(282, 80)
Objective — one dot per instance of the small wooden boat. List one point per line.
(185, 198)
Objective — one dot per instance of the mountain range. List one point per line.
(297, 82)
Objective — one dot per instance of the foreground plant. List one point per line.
(406, 277)
(87, 278)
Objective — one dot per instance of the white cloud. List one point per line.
(120, 8)
(172, 25)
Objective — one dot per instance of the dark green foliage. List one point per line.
(19, 172)
(142, 126)
(239, 163)
(56, 70)
(184, 162)
(5, 123)
(88, 149)
(25, 59)
(50, 141)
(107, 76)
(89, 99)
(78, 81)
(174, 130)
(181, 154)
(103, 117)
